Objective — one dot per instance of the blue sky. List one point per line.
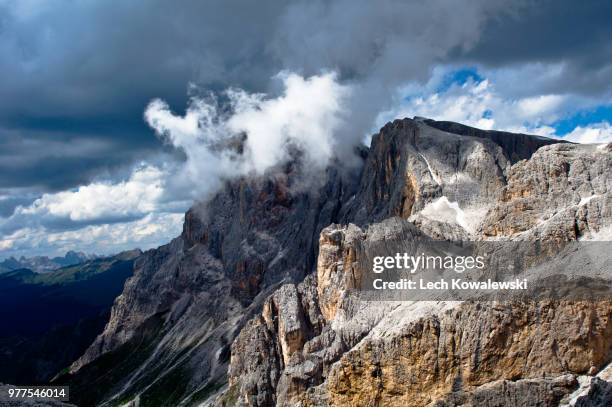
(459, 76)
(599, 112)
(479, 96)
(583, 118)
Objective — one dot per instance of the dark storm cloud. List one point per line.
(77, 72)
(577, 34)
(58, 159)
(81, 58)
(9, 200)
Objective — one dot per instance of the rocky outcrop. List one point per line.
(423, 353)
(468, 347)
(386, 353)
(524, 392)
(290, 317)
(336, 267)
(412, 164)
(516, 146)
(331, 319)
(592, 391)
(563, 192)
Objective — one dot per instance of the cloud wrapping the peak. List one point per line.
(341, 63)
(377, 46)
(304, 116)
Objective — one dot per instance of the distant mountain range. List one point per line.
(43, 264)
(49, 319)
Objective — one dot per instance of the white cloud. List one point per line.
(539, 107)
(150, 231)
(6, 244)
(479, 104)
(102, 217)
(593, 133)
(466, 104)
(135, 197)
(306, 115)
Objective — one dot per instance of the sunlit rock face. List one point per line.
(562, 192)
(454, 354)
(421, 169)
(421, 353)
(443, 353)
(251, 305)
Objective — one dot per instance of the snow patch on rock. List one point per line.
(444, 210)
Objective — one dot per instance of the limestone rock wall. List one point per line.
(251, 305)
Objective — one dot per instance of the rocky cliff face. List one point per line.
(422, 353)
(563, 190)
(412, 165)
(252, 304)
(447, 353)
(516, 146)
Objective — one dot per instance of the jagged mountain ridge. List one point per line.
(208, 281)
(51, 318)
(42, 264)
(187, 302)
(426, 351)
